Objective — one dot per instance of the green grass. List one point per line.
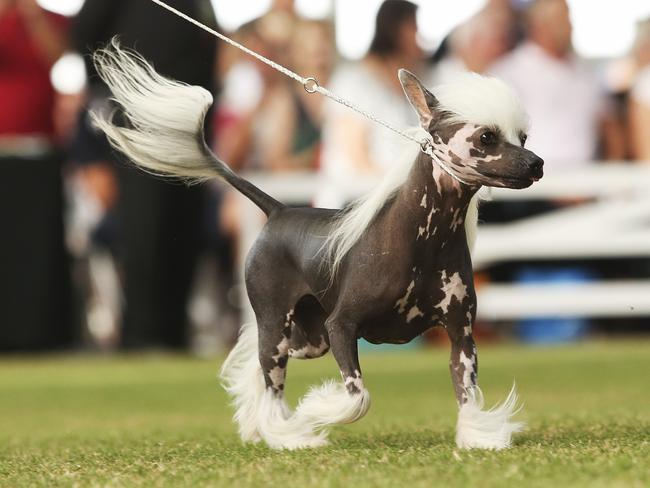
(163, 421)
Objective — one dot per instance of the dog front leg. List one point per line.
(477, 428)
(463, 365)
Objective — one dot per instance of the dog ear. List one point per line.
(420, 98)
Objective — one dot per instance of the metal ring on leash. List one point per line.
(426, 145)
(311, 85)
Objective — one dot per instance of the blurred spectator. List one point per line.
(514, 34)
(292, 142)
(276, 27)
(639, 102)
(246, 109)
(478, 43)
(353, 146)
(243, 113)
(570, 114)
(34, 280)
(572, 123)
(159, 222)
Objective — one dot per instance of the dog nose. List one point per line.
(536, 164)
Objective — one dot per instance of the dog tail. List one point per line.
(164, 123)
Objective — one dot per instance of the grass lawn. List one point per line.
(163, 421)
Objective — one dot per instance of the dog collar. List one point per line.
(427, 148)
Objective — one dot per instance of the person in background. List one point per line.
(477, 43)
(572, 122)
(292, 142)
(639, 100)
(246, 107)
(34, 274)
(510, 8)
(159, 223)
(243, 114)
(353, 146)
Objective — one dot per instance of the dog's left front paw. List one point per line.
(487, 429)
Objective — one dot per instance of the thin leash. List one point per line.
(311, 85)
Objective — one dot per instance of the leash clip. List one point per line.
(311, 85)
(426, 145)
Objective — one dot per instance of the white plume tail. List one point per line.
(164, 118)
(162, 130)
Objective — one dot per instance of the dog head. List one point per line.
(478, 130)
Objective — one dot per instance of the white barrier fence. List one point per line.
(613, 222)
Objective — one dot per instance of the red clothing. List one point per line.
(26, 92)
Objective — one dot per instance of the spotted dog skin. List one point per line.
(410, 271)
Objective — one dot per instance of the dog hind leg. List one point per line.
(274, 418)
(242, 379)
(254, 375)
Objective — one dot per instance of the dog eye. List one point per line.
(488, 138)
(523, 138)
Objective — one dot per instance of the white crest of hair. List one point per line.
(166, 137)
(483, 100)
(471, 218)
(487, 429)
(471, 221)
(354, 220)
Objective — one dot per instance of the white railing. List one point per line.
(614, 223)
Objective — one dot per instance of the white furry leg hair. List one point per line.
(259, 412)
(323, 406)
(487, 429)
(262, 414)
(243, 381)
(330, 404)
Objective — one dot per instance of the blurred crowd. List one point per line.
(98, 253)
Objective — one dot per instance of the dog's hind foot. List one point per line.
(323, 406)
(280, 429)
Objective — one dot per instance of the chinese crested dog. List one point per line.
(387, 268)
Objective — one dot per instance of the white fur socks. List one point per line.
(487, 429)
